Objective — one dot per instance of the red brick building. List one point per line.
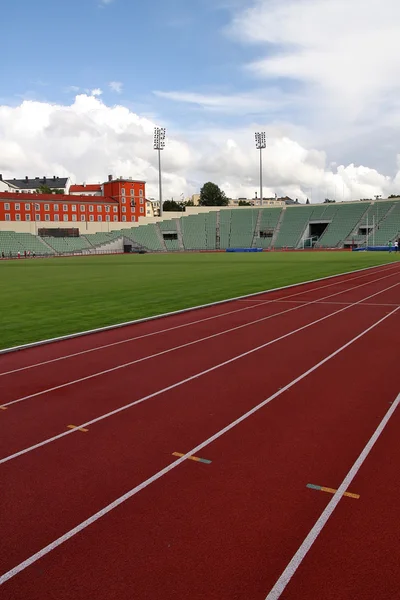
(86, 189)
(57, 208)
(130, 195)
(121, 200)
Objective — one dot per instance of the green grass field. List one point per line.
(44, 298)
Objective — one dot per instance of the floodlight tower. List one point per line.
(159, 144)
(260, 145)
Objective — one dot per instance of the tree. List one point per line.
(45, 189)
(244, 203)
(394, 196)
(308, 202)
(327, 201)
(212, 195)
(171, 206)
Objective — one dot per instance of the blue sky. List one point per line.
(147, 46)
(320, 77)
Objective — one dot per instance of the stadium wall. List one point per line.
(88, 227)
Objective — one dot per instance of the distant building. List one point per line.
(256, 201)
(92, 189)
(130, 195)
(195, 199)
(25, 206)
(30, 185)
(152, 207)
(6, 187)
(121, 200)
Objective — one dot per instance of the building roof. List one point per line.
(112, 179)
(57, 198)
(30, 183)
(91, 187)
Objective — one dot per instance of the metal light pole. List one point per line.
(260, 145)
(159, 144)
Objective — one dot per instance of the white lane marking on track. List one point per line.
(101, 513)
(392, 304)
(192, 343)
(298, 558)
(260, 302)
(182, 382)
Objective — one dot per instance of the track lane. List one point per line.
(361, 539)
(15, 386)
(141, 444)
(66, 404)
(245, 513)
(87, 344)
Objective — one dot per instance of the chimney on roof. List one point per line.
(110, 178)
(84, 184)
(26, 177)
(36, 177)
(1, 177)
(44, 178)
(54, 177)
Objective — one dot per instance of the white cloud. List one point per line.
(97, 92)
(116, 86)
(87, 140)
(72, 88)
(342, 52)
(245, 103)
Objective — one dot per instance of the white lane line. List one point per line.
(192, 343)
(392, 304)
(260, 302)
(298, 558)
(179, 383)
(101, 513)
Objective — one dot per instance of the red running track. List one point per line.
(277, 391)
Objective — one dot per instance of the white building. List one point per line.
(30, 185)
(6, 187)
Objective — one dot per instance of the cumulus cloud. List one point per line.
(87, 140)
(97, 92)
(342, 52)
(116, 86)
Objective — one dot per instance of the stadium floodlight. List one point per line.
(260, 145)
(159, 144)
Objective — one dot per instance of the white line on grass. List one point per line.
(168, 329)
(192, 343)
(101, 513)
(186, 310)
(298, 558)
(181, 382)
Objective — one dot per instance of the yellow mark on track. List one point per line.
(195, 458)
(76, 427)
(332, 491)
(329, 490)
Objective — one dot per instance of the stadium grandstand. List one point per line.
(357, 225)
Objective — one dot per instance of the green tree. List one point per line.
(308, 202)
(212, 195)
(171, 206)
(244, 203)
(45, 189)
